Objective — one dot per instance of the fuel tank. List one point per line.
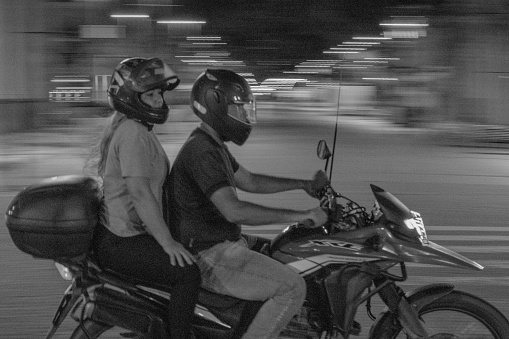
(308, 249)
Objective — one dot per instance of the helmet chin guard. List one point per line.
(224, 100)
(134, 76)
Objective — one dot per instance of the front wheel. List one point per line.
(457, 315)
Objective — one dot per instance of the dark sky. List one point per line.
(269, 18)
(285, 29)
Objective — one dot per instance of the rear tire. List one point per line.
(450, 317)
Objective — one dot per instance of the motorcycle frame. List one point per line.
(71, 296)
(341, 285)
(345, 286)
(108, 299)
(88, 279)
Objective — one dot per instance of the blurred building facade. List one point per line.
(467, 46)
(476, 45)
(46, 44)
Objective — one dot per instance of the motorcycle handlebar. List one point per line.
(351, 213)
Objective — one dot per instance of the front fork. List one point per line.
(407, 315)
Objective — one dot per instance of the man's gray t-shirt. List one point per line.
(202, 166)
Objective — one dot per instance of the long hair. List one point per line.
(96, 162)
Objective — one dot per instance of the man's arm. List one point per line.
(260, 183)
(243, 212)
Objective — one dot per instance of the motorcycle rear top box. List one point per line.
(55, 218)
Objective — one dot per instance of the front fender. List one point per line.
(387, 325)
(424, 295)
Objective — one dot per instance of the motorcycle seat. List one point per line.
(130, 283)
(206, 298)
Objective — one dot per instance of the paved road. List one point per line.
(462, 194)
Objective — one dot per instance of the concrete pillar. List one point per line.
(22, 63)
(481, 70)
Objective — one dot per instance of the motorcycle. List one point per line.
(345, 263)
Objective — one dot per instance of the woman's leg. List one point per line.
(142, 257)
(184, 297)
(232, 269)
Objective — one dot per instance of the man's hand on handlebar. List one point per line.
(316, 217)
(313, 187)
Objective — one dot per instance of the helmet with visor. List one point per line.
(224, 100)
(135, 76)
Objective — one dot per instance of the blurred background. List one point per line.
(410, 61)
(418, 88)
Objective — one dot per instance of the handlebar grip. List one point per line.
(306, 223)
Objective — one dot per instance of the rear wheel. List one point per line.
(92, 330)
(457, 315)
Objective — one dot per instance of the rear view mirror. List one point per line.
(322, 150)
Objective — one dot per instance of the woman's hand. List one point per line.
(178, 253)
(148, 209)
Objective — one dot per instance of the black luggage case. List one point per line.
(55, 218)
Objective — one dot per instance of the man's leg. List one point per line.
(232, 269)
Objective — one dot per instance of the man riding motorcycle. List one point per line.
(207, 212)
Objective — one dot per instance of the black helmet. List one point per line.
(134, 76)
(223, 99)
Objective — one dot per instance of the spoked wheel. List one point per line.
(457, 315)
(93, 330)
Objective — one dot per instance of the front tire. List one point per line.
(455, 315)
